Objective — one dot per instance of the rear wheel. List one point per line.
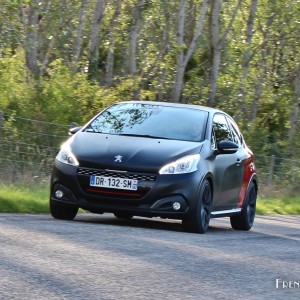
(62, 211)
(199, 221)
(245, 220)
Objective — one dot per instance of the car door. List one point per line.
(228, 175)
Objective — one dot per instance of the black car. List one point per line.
(152, 159)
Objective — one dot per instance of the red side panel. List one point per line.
(249, 170)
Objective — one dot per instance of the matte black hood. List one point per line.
(130, 153)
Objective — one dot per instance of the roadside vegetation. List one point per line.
(24, 199)
(61, 62)
(29, 199)
(282, 205)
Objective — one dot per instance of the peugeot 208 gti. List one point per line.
(152, 159)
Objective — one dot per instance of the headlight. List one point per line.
(187, 164)
(66, 156)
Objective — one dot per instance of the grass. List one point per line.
(24, 199)
(283, 206)
(35, 199)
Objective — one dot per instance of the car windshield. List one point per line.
(152, 121)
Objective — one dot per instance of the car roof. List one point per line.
(194, 106)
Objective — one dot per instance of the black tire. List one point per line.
(123, 216)
(199, 220)
(62, 211)
(245, 219)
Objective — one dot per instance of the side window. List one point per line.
(213, 140)
(235, 132)
(221, 128)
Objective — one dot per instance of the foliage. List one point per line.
(257, 81)
(66, 94)
(63, 96)
(17, 87)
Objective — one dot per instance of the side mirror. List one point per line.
(227, 147)
(74, 130)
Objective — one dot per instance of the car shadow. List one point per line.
(140, 222)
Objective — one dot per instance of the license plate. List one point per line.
(114, 183)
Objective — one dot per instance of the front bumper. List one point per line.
(155, 195)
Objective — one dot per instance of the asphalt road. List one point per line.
(101, 257)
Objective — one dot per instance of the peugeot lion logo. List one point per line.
(118, 158)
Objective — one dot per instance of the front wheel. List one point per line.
(245, 219)
(62, 211)
(199, 221)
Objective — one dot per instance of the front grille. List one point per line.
(89, 172)
(83, 176)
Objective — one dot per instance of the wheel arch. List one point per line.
(209, 177)
(199, 217)
(244, 191)
(255, 181)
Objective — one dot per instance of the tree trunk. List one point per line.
(111, 50)
(78, 39)
(262, 70)
(133, 37)
(178, 82)
(47, 55)
(146, 75)
(250, 30)
(247, 56)
(95, 40)
(217, 45)
(31, 20)
(183, 59)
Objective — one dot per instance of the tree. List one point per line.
(31, 13)
(109, 68)
(78, 40)
(247, 55)
(240, 56)
(294, 116)
(133, 37)
(183, 58)
(217, 44)
(95, 40)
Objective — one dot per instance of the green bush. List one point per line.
(17, 87)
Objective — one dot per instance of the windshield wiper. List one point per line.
(145, 136)
(92, 130)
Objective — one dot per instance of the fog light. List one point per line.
(176, 205)
(59, 194)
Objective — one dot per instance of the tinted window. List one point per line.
(221, 128)
(235, 131)
(151, 120)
